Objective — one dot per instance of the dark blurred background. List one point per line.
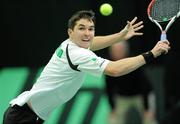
(32, 30)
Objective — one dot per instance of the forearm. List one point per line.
(129, 31)
(101, 42)
(124, 66)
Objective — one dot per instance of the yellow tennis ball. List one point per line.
(106, 9)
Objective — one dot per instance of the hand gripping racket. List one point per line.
(163, 11)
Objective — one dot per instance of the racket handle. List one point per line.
(163, 36)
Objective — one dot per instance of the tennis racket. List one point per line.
(163, 12)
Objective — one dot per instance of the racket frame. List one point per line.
(171, 21)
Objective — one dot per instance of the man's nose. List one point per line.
(87, 32)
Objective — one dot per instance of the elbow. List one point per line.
(116, 74)
(113, 72)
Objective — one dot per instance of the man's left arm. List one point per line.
(129, 31)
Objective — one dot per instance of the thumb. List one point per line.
(128, 24)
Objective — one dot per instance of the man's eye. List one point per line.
(81, 28)
(91, 29)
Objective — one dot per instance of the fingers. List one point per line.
(138, 34)
(164, 46)
(166, 42)
(135, 26)
(164, 49)
(138, 28)
(138, 24)
(132, 28)
(133, 21)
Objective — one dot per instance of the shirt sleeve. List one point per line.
(90, 63)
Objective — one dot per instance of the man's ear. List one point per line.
(69, 31)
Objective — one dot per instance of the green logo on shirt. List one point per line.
(59, 52)
(94, 59)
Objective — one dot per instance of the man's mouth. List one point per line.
(85, 40)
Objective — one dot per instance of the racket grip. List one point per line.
(163, 36)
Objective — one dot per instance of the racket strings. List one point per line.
(164, 10)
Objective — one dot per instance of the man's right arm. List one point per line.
(127, 65)
(124, 66)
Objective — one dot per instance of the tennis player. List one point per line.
(63, 75)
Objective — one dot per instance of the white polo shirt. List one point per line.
(58, 82)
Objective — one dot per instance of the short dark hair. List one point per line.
(83, 14)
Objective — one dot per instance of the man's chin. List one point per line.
(85, 45)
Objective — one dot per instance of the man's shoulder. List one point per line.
(83, 51)
(75, 50)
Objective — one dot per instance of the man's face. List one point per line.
(83, 33)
